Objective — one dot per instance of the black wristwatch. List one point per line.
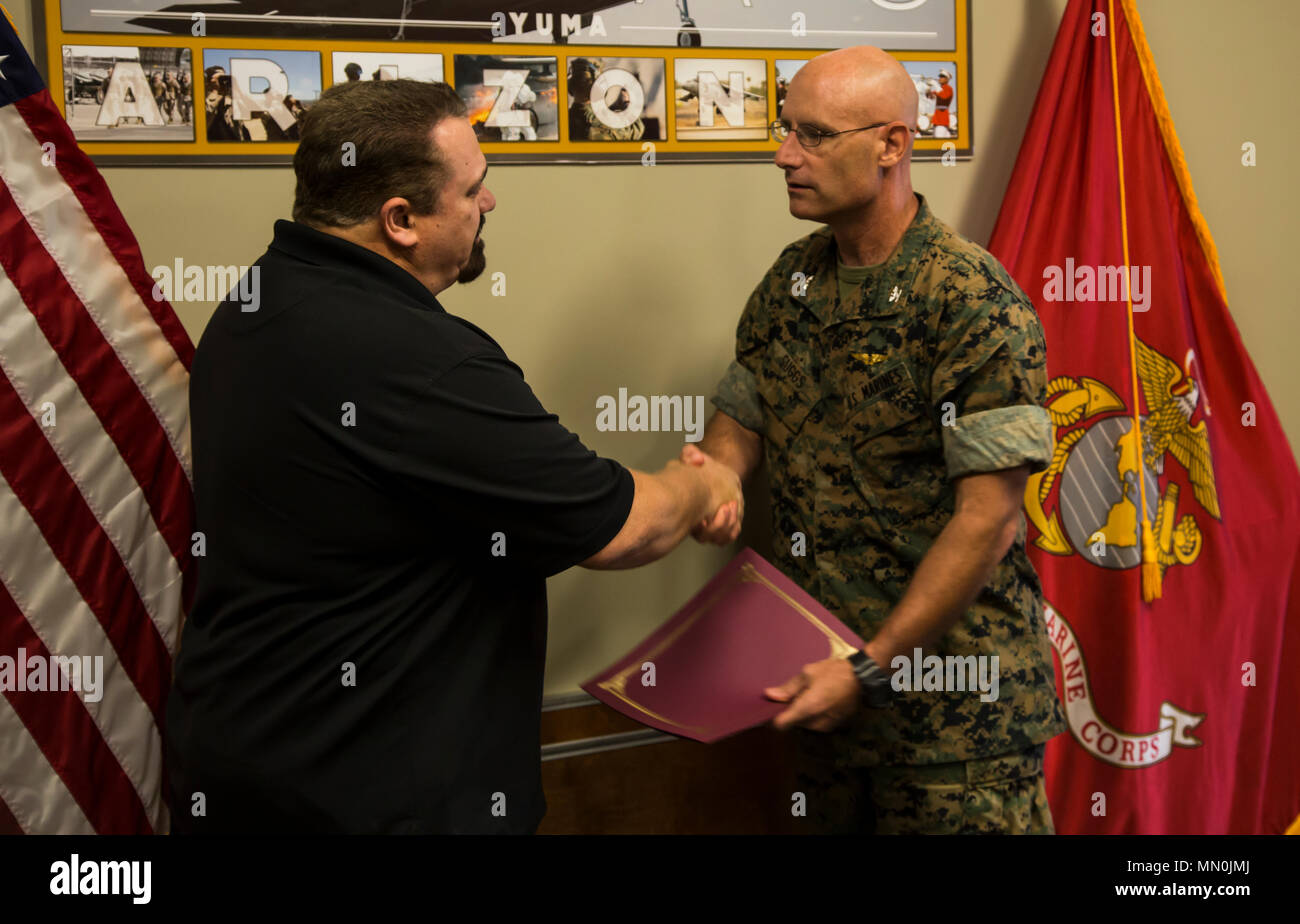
(876, 690)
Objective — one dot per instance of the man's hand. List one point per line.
(723, 526)
(821, 696)
(665, 506)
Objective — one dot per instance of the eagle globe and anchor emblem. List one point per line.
(1095, 468)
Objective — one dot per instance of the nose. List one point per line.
(789, 154)
(487, 201)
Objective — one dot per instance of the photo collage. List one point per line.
(255, 95)
(154, 81)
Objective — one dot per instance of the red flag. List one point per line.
(1177, 632)
(96, 507)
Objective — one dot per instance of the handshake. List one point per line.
(726, 500)
(697, 494)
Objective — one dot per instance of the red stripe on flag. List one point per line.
(70, 739)
(42, 117)
(44, 487)
(123, 411)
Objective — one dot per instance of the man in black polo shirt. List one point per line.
(382, 497)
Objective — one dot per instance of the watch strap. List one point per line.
(872, 678)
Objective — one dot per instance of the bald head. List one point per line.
(859, 85)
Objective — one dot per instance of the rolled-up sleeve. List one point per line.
(989, 383)
(737, 396)
(1005, 437)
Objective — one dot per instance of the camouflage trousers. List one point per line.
(1005, 794)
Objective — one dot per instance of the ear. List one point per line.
(897, 141)
(395, 221)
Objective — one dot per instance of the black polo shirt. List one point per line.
(359, 656)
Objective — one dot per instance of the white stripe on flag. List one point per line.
(92, 461)
(46, 595)
(30, 787)
(62, 225)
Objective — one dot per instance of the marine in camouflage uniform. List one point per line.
(873, 388)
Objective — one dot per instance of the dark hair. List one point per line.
(389, 122)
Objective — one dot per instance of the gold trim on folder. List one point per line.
(747, 573)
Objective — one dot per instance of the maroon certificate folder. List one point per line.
(750, 627)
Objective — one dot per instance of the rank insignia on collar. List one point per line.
(893, 296)
(869, 359)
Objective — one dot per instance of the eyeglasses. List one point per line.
(811, 137)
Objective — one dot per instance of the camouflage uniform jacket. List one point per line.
(852, 401)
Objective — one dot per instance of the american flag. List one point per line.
(96, 503)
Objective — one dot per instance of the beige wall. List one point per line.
(633, 276)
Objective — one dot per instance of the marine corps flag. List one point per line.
(1166, 526)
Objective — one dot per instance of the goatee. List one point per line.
(477, 263)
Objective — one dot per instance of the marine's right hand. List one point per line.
(727, 500)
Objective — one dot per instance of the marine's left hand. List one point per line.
(821, 696)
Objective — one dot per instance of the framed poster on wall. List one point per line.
(545, 81)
